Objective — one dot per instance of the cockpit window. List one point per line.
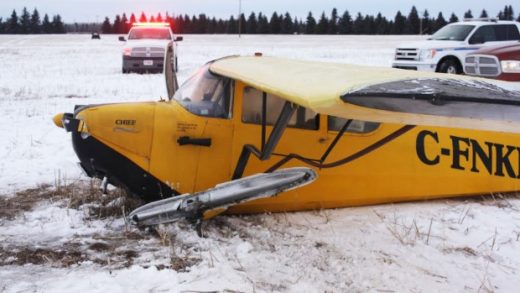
(206, 94)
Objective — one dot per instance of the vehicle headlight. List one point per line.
(510, 66)
(427, 54)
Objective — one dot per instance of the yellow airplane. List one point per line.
(244, 129)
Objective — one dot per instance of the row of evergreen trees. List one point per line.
(259, 23)
(413, 23)
(28, 23)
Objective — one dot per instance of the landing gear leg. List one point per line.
(198, 228)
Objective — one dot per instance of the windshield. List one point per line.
(453, 33)
(157, 33)
(206, 94)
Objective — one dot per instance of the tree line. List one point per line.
(31, 23)
(346, 23)
(256, 23)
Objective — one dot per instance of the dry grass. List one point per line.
(183, 263)
(110, 249)
(181, 254)
(70, 254)
(407, 231)
(101, 206)
(500, 200)
(74, 195)
(468, 251)
(24, 201)
(65, 257)
(114, 249)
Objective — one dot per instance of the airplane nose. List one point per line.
(113, 142)
(58, 120)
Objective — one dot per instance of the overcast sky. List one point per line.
(85, 11)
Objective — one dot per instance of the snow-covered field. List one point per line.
(469, 245)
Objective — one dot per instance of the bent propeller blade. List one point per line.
(222, 196)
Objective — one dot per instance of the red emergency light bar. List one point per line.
(150, 24)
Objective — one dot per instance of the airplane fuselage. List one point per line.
(159, 149)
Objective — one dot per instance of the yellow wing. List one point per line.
(380, 94)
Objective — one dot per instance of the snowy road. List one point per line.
(438, 246)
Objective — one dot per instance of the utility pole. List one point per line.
(239, 18)
(421, 15)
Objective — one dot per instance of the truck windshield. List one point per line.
(206, 94)
(137, 33)
(452, 33)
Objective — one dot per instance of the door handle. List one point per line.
(185, 140)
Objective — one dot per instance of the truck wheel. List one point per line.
(450, 66)
(125, 71)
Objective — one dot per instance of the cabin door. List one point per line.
(213, 166)
(204, 132)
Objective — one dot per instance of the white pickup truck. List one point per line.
(145, 47)
(446, 50)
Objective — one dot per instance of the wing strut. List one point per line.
(269, 146)
(335, 141)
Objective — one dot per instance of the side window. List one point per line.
(252, 110)
(483, 34)
(507, 32)
(356, 126)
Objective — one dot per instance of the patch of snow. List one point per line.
(49, 223)
(88, 279)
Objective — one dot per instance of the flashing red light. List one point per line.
(127, 51)
(150, 24)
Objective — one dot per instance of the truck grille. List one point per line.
(407, 54)
(148, 52)
(483, 65)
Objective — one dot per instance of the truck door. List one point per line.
(495, 34)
